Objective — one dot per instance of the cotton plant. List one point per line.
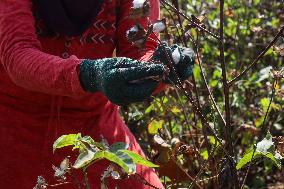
(138, 4)
(265, 148)
(139, 34)
(140, 8)
(122, 162)
(177, 61)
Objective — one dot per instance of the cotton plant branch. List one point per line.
(190, 20)
(195, 180)
(180, 24)
(226, 89)
(224, 73)
(141, 179)
(194, 141)
(205, 81)
(59, 184)
(189, 177)
(175, 24)
(255, 61)
(185, 113)
(264, 130)
(196, 109)
(183, 37)
(195, 89)
(184, 41)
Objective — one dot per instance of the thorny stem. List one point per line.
(194, 141)
(202, 167)
(183, 37)
(173, 19)
(227, 128)
(193, 80)
(195, 108)
(258, 57)
(194, 83)
(206, 84)
(180, 24)
(59, 184)
(75, 180)
(210, 95)
(264, 130)
(188, 176)
(144, 181)
(86, 180)
(224, 75)
(189, 19)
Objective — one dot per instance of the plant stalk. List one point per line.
(227, 129)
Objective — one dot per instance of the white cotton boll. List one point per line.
(176, 56)
(278, 156)
(264, 145)
(115, 175)
(137, 4)
(132, 30)
(159, 27)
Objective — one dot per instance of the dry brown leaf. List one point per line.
(229, 12)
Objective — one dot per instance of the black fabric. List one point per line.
(69, 17)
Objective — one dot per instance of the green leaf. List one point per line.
(247, 158)
(275, 160)
(264, 102)
(139, 159)
(259, 121)
(66, 140)
(264, 148)
(123, 160)
(149, 109)
(197, 73)
(154, 126)
(175, 110)
(118, 146)
(213, 83)
(93, 143)
(84, 159)
(204, 154)
(128, 161)
(213, 141)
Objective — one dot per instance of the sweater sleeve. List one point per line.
(23, 60)
(124, 47)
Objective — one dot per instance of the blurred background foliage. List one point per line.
(169, 131)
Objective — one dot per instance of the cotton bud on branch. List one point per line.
(140, 9)
(159, 26)
(279, 46)
(137, 35)
(279, 49)
(137, 4)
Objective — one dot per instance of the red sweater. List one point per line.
(41, 97)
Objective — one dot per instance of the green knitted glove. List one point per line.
(122, 80)
(181, 58)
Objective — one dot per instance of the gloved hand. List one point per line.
(182, 59)
(121, 80)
